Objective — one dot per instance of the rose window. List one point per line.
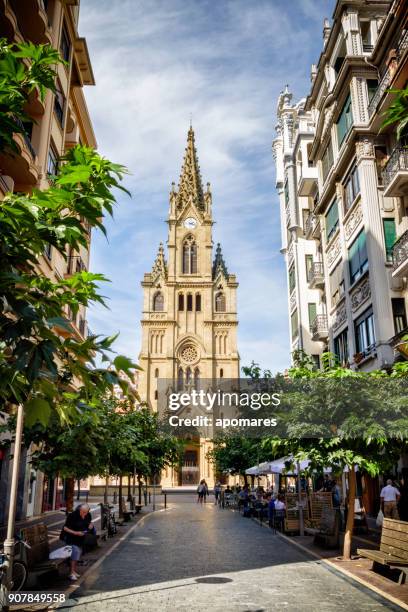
(189, 354)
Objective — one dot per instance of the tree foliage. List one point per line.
(44, 363)
(397, 113)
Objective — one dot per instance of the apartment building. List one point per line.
(343, 188)
(59, 122)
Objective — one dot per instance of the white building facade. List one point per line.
(343, 186)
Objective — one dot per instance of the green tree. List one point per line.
(43, 364)
(343, 419)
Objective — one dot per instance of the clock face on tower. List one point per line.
(190, 223)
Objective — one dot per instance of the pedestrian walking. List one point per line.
(389, 497)
(217, 492)
(202, 491)
(77, 526)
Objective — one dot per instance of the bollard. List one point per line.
(165, 500)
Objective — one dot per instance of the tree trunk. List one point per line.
(79, 489)
(245, 479)
(350, 513)
(105, 495)
(139, 483)
(69, 493)
(120, 496)
(134, 482)
(129, 495)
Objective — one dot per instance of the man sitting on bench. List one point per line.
(77, 525)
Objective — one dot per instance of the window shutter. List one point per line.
(389, 236)
(312, 308)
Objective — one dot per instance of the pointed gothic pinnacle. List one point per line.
(219, 262)
(190, 186)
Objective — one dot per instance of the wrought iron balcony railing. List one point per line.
(400, 251)
(26, 137)
(316, 272)
(319, 326)
(398, 161)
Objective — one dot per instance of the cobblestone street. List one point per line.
(193, 557)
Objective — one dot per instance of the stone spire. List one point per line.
(219, 263)
(160, 264)
(190, 187)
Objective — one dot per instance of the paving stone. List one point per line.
(204, 558)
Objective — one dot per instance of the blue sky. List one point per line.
(225, 62)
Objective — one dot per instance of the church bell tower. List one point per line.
(189, 321)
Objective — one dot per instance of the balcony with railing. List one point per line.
(20, 164)
(315, 276)
(395, 173)
(75, 264)
(400, 256)
(385, 82)
(307, 181)
(319, 328)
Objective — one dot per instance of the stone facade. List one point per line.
(189, 321)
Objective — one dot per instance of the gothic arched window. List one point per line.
(158, 302)
(189, 256)
(180, 378)
(188, 376)
(156, 373)
(181, 301)
(198, 302)
(189, 302)
(221, 373)
(220, 302)
(196, 379)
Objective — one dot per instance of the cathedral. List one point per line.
(189, 320)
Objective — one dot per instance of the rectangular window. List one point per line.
(292, 279)
(372, 85)
(327, 161)
(351, 189)
(336, 281)
(59, 104)
(309, 264)
(341, 349)
(399, 314)
(65, 45)
(294, 324)
(357, 257)
(364, 331)
(365, 27)
(332, 220)
(312, 312)
(345, 121)
(390, 236)
(52, 162)
(189, 302)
